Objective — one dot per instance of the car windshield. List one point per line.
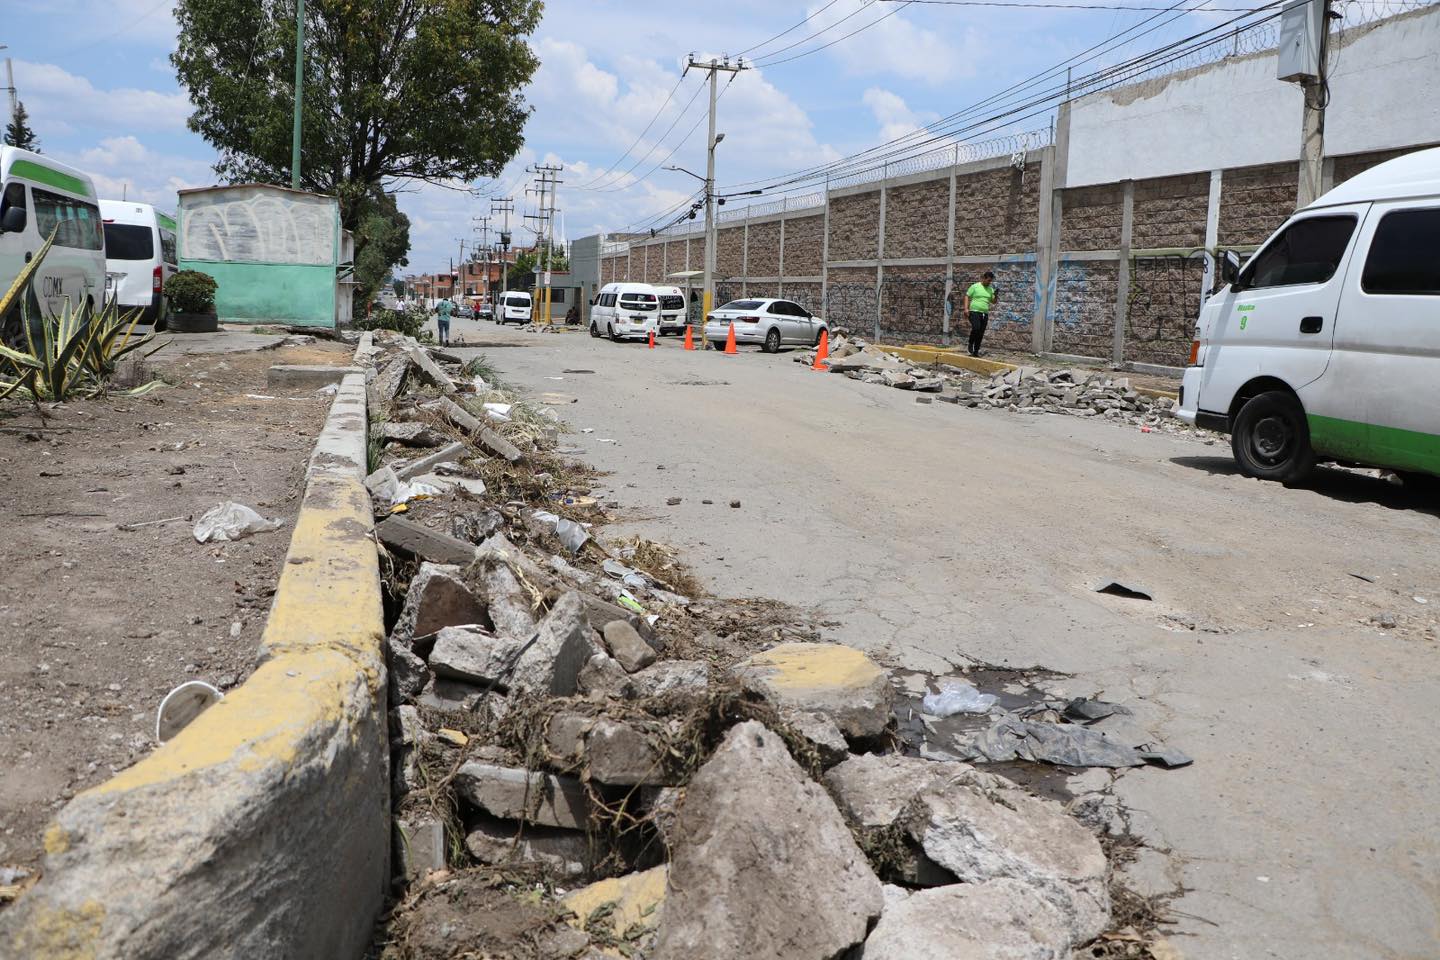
(672, 303)
(637, 301)
(742, 305)
(128, 241)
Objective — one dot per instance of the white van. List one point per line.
(624, 310)
(672, 311)
(1327, 343)
(37, 196)
(140, 257)
(515, 306)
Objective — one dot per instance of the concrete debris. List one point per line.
(996, 920)
(828, 679)
(451, 696)
(665, 677)
(763, 865)
(822, 734)
(430, 371)
(437, 598)
(630, 907)
(474, 655)
(626, 754)
(509, 606)
(501, 843)
(409, 434)
(425, 464)
(406, 671)
(419, 847)
(509, 793)
(601, 677)
(562, 646)
(388, 382)
(421, 542)
(627, 646)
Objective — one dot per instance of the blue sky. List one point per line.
(95, 78)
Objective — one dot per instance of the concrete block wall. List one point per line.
(1256, 200)
(1163, 304)
(807, 294)
(1013, 314)
(1083, 308)
(855, 226)
(1170, 211)
(850, 299)
(1092, 218)
(730, 252)
(915, 219)
(996, 211)
(804, 246)
(764, 249)
(912, 301)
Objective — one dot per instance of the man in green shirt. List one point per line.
(978, 300)
(443, 309)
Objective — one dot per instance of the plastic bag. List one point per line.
(957, 696)
(232, 521)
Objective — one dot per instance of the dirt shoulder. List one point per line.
(98, 623)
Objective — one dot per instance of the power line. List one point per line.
(598, 177)
(865, 5)
(782, 33)
(659, 142)
(666, 159)
(1020, 4)
(806, 53)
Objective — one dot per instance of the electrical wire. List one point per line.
(600, 176)
(1068, 6)
(684, 140)
(658, 143)
(782, 33)
(865, 5)
(806, 53)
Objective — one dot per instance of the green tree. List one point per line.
(521, 275)
(382, 240)
(395, 90)
(18, 132)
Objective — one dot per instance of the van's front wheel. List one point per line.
(1271, 438)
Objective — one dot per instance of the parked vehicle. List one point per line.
(38, 196)
(672, 311)
(464, 311)
(769, 322)
(515, 307)
(625, 310)
(1327, 343)
(140, 257)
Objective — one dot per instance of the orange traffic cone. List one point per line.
(689, 342)
(822, 352)
(652, 339)
(730, 341)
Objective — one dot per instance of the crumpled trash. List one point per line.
(1063, 744)
(957, 696)
(182, 705)
(572, 534)
(232, 521)
(499, 412)
(387, 487)
(632, 578)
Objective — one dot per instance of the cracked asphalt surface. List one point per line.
(938, 536)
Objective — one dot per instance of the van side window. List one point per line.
(1405, 254)
(79, 222)
(167, 247)
(14, 197)
(1308, 251)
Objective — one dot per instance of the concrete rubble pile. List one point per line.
(554, 732)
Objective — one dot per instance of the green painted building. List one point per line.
(278, 255)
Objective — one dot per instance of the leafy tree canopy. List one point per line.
(382, 240)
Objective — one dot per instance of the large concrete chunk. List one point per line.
(835, 681)
(627, 646)
(980, 833)
(512, 794)
(388, 382)
(507, 603)
(763, 865)
(667, 676)
(418, 541)
(552, 664)
(430, 370)
(626, 754)
(407, 671)
(437, 598)
(995, 920)
(475, 655)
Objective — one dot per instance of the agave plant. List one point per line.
(74, 352)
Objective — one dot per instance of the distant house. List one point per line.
(278, 255)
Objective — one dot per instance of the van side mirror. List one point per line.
(1230, 270)
(13, 220)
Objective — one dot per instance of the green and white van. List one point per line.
(1327, 343)
(38, 195)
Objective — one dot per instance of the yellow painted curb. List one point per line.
(638, 898)
(263, 828)
(923, 354)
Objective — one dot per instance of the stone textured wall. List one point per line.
(804, 246)
(854, 227)
(1347, 167)
(1013, 314)
(997, 212)
(912, 303)
(654, 268)
(805, 294)
(1091, 218)
(1084, 308)
(729, 252)
(1164, 303)
(850, 299)
(915, 219)
(765, 249)
(1170, 211)
(1256, 200)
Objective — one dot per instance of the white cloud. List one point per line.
(62, 102)
(894, 116)
(892, 44)
(125, 167)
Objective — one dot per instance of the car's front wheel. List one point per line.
(614, 337)
(1271, 438)
(772, 340)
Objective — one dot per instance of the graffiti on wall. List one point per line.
(259, 226)
(851, 305)
(1164, 302)
(913, 309)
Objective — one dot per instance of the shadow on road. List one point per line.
(1335, 483)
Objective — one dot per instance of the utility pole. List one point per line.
(458, 288)
(484, 231)
(10, 87)
(715, 68)
(299, 93)
(505, 206)
(547, 181)
(1312, 132)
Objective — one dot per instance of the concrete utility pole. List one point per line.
(504, 206)
(10, 88)
(299, 93)
(546, 182)
(484, 231)
(715, 68)
(1312, 134)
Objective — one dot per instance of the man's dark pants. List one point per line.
(978, 321)
(444, 327)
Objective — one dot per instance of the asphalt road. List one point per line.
(936, 535)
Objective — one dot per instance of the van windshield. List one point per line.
(128, 241)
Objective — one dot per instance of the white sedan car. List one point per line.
(771, 323)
